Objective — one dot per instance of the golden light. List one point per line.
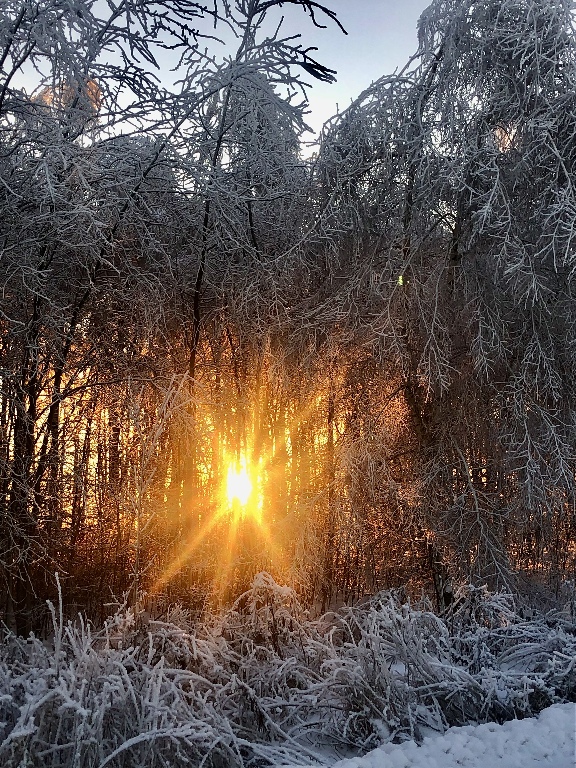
(238, 485)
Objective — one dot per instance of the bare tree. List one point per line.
(453, 183)
(131, 210)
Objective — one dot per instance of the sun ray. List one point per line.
(243, 530)
(176, 563)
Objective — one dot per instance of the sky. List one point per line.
(382, 35)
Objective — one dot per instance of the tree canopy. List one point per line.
(381, 336)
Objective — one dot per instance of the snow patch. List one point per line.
(546, 741)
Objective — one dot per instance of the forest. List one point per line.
(231, 359)
(379, 339)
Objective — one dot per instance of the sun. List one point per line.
(238, 485)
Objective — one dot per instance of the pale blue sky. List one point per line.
(381, 37)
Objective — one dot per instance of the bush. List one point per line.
(263, 684)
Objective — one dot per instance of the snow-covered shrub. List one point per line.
(263, 684)
(479, 662)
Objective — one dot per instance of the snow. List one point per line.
(543, 742)
(263, 684)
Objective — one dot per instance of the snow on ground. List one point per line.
(543, 742)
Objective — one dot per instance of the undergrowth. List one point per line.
(262, 684)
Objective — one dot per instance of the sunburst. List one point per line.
(238, 485)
